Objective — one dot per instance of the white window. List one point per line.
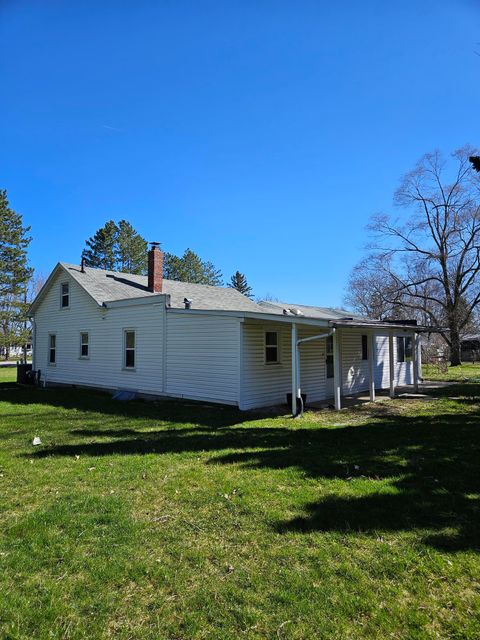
(65, 295)
(52, 348)
(272, 355)
(404, 349)
(129, 349)
(84, 353)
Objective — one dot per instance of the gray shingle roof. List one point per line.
(108, 286)
(321, 313)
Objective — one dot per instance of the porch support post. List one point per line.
(391, 359)
(371, 365)
(337, 389)
(415, 361)
(294, 369)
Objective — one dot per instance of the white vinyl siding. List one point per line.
(104, 366)
(266, 384)
(203, 357)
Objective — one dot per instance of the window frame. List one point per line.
(82, 344)
(270, 347)
(63, 295)
(365, 347)
(125, 349)
(329, 363)
(51, 363)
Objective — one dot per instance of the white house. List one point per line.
(112, 330)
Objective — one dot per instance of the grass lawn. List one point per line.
(466, 372)
(184, 521)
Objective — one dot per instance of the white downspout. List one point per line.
(296, 389)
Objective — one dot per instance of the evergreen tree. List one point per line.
(14, 277)
(191, 268)
(100, 251)
(239, 282)
(117, 248)
(131, 249)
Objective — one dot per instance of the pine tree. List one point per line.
(14, 277)
(117, 248)
(191, 268)
(131, 249)
(239, 282)
(101, 251)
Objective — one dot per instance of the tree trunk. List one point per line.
(455, 351)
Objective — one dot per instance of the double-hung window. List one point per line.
(272, 355)
(65, 295)
(129, 348)
(84, 352)
(52, 348)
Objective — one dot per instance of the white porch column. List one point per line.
(371, 365)
(294, 369)
(337, 381)
(391, 359)
(415, 361)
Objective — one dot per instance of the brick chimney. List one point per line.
(155, 268)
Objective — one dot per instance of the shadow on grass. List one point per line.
(430, 462)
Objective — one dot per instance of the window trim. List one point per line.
(80, 355)
(62, 295)
(50, 349)
(406, 358)
(329, 359)
(134, 349)
(271, 346)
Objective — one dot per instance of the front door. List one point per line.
(329, 366)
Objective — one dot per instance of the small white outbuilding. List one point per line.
(153, 336)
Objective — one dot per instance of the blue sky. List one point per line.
(262, 134)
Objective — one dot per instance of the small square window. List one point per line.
(84, 345)
(271, 347)
(65, 295)
(364, 347)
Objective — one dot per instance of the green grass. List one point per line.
(184, 521)
(466, 372)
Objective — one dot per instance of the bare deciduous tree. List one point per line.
(428, 259)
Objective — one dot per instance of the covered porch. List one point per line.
(343, 383)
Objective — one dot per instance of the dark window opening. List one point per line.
(271, 347)
(65, 295)
(129, 349)
(364, 347)
(52, 349)
(329, 357)
(84, 345)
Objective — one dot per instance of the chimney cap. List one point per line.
(154, 245)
